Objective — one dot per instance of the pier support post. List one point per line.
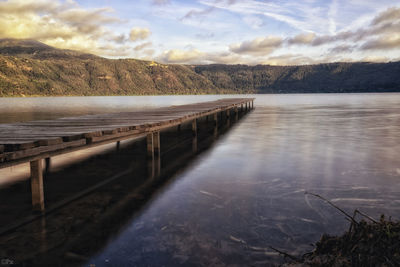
(241, 108)
(194, 132)
(153, 154)
(150, 145)
(156, 140)
(228, 117)
(215, 124)
(236, 114)
(157, 154)
(47, 165)
(252, 104)
(118, 145)
(37, 185)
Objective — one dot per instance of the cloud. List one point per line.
(254, 22)
(120, 39)
(194, 56)
(390, 14)
(139, 34)
(208, 35)
(301, 15)
(383, 43)
(181, 56)
(161, 2)
(289, 59)
(197, 13)
(258, 46)
(342, 49)
(302, 38)
(224, 58)
(142, 46)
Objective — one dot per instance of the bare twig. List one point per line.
(365, 215)
(333, 205)
(286, 254)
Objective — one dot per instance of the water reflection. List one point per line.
(246, 192)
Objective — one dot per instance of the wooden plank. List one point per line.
(95, 139)
(42, 149)
(20, 145)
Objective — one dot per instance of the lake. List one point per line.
(246, 191)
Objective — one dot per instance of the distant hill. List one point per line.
(28, 67)
(322, 78)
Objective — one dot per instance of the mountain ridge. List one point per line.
(28, 67)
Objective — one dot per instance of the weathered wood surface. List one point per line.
(28, 139)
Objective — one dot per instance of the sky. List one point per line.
(275, 32)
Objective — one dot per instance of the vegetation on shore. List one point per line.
(31, 68)
(368, 242)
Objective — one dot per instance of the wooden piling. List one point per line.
(150, 145)
(37, 185)
(215, 125)
(236, 114)
(156, 143)
(118, 145)
(47, 165)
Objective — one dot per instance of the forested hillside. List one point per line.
(31, 68)
(322, 78)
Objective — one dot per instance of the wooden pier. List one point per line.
(37, 141)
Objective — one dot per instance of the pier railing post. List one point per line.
(37, 185)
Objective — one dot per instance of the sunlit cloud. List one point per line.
(302, 38)
(258, 46)
(181, 56)
(383, 43)
(143, 46)
(61, 24)
(139, 34)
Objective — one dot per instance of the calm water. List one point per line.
(246, 192)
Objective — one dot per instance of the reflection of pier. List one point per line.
(36, 142)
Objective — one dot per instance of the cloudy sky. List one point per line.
(278, 32)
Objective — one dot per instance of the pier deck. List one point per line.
(37, 140)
